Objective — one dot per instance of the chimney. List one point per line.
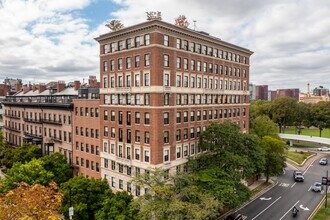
(92, 82)
(76, 85)
(42, 87)
(60, 86)
(26, 88)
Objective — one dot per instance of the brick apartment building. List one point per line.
(44, 115)
(161, 85)
(86, 130)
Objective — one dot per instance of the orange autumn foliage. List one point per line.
(31, 202)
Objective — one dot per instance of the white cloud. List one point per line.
(46, 39)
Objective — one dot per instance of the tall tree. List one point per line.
(283, 111)
(30, 173)
(86, 195)
(259, 108)
(22, 154)
(302, 116)
(116, 206)
(265, 127)
(31, 202)
(275, 150)
(320, 116)
(57, 164)
(173, 197)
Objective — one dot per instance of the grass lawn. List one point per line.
(298, 156)
(323, 213)
(310, 132)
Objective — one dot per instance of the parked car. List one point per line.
(298, 176)
(323, 149)
(317, 187)
(323, 161)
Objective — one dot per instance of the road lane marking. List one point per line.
(308, 167)
(284, 184)
(305, 209)
(263, 198)
(293, 185)
(267, 207)
(309, 188)
(289, 210)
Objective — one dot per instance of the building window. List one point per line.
(105, 66)
(128, 63)
(137, 136)
(166, 40)
(185, 133)
(147, 79)
(120, 63)
(178, 62)
(137, 41)
(178, 81)
(178, 135)
(113, 182)
(185, 64)
(166, 61)
(120, 45)
(137, 80)
(137, 61)
(185, 44)
(166, 137)
(147, 137)
(178, 152)
(166, 98)
(166, 155)
(147, 118)
(147, 60)
(137, 117)
(147, 156)
(185, 116)
(120, 184)
(192, 133)
(146, 39)
(137, 154)
(106, 131)
(128, 43)
(178, 43)
(166, 79)
(166, 118)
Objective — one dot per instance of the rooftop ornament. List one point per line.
(115, 25)
(154, 15)
(182, 21)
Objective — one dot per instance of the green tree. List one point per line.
(22, 154)
(283, 111)
(116, 206)
(87, 197)
(57, 164)
(231, 157)
(30, 173)
(275, 151)
(302, 116)
(320, 115)
(173, 197)
(259, 108)
(265, 127)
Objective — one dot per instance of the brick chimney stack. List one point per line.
(60, 86)
(92, 82)
(76, 85)
(34, 87)
(18, 87)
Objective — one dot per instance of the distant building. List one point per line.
(252, 90)
(293, 93)
(319, 94)
(261, 92)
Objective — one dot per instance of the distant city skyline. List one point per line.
(54, 39)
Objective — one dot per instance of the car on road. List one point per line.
(323, 149)
(298, 176)
(317, 187)
(323, 161)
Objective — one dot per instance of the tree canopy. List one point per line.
(87, 197)
(320, 115)
(31, 202)
(22, 154)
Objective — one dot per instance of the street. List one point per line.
(278, 202)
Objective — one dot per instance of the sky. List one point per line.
(50, 40)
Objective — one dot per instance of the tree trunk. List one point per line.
(267, 178)
(321, 132)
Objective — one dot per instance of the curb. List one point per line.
(316, 209)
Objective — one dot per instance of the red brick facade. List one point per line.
(160, 91)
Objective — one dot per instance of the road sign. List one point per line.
(71, 211)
